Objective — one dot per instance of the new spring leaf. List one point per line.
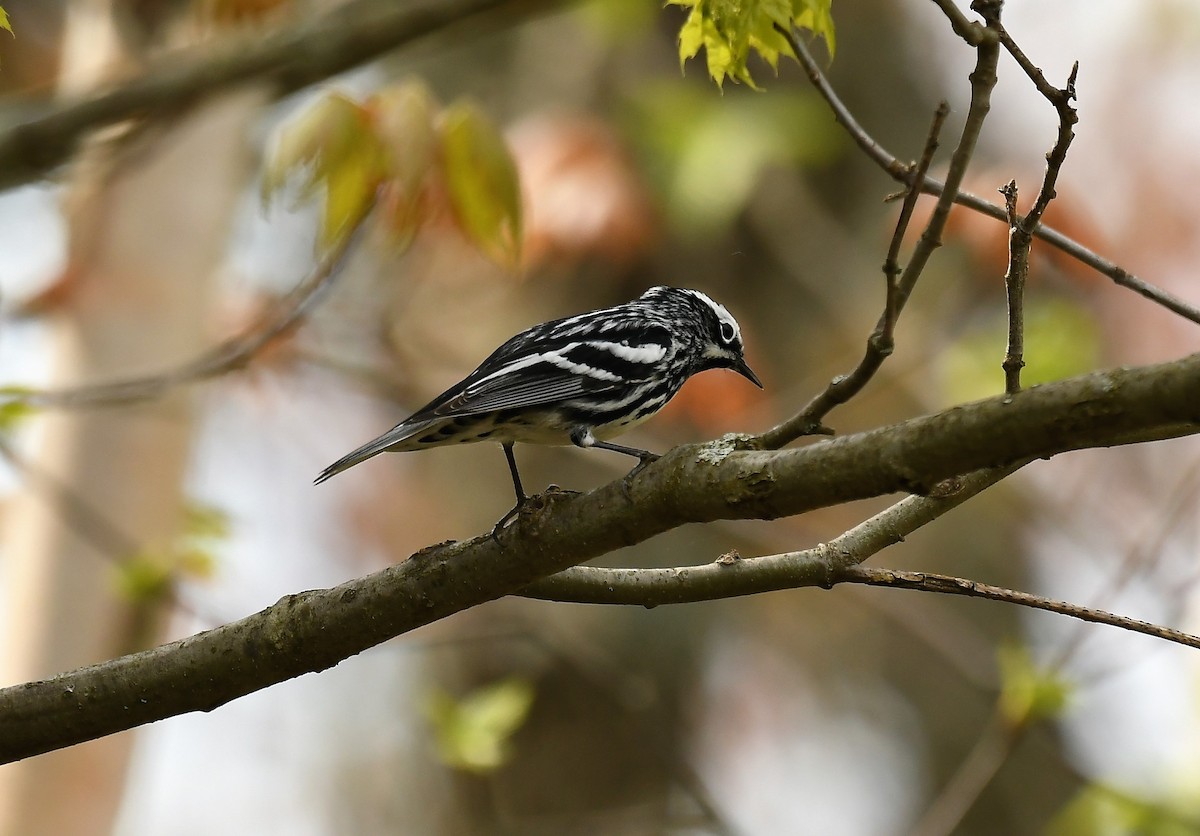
(729, 30)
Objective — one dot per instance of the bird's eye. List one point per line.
(727, 333)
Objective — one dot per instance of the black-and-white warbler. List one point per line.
(578, 380)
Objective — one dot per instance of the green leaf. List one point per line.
(204, 522)
(481, 178)
(729, 30)
(1098, 810)
(333, 143)
(13, 413)
(145, 577)
(473, 733)
(817, 17)
(4, 24)
(404, 116)
(1028, 694)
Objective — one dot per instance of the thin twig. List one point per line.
(1020, 230)
(1014, 289)
(983, 79)
(947, 585)
(931, 185)
(77, 512)
(732, 576)
(994, 746)
(968, 30)
(228, 356)
(990, 751)
(881, 342)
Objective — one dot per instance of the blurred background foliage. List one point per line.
(854, 711)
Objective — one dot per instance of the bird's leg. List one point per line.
(644, 457)
(522, 498)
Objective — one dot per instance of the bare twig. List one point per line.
(990, 751)
(930, 185)
(1020, 230)
(292, 59)
(77, 512)
(997, 742)
(968, 30)
(947, 585)
(983, 79)
(731, 576)
(881, 342)
(1014, 288)
(228, 356)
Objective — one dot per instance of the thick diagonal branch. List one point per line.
(314, 630)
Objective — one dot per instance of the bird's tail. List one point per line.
(395, 435)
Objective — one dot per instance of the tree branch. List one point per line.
(1014, 290)
(289, 60)
(1020, 230)
(730, 575)
(314, 630)
(881, 342)
(930, 185)
(983, 80)
(947, 585)
(232, 354)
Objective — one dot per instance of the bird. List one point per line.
(579, 380)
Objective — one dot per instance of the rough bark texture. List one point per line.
(314, 630)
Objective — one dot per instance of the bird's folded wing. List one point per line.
(519, 386)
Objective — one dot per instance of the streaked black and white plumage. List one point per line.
(579, 380)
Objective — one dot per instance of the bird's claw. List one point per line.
(512, 512)
(627, 480)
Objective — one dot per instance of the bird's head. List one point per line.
(717, 335)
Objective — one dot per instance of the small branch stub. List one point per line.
(1019, 242)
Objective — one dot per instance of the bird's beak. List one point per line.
(743, 368)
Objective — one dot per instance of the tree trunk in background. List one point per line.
(148, 231)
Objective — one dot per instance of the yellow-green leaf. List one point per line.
(729, 30)
(481, 179)
(350, 188)
(13, 412)
(319, 135)
(405, 117)
(4, 24)
(473, 733)
(817, 17)
(334, 144)
(144, 577)
(1028, 693)
(205, 522)
(1098, 810)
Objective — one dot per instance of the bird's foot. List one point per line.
(545, 496)
(512, 512)
(627, 482)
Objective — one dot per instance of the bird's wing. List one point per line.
(544, 370)
(523, 383)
